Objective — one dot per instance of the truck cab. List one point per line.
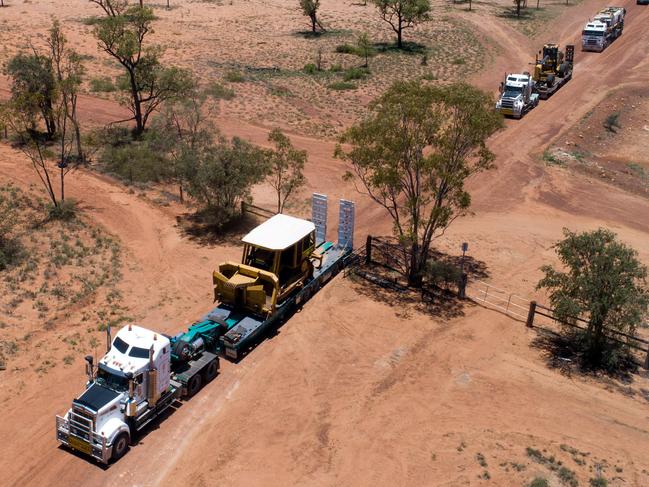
(278, 259)
(122, 394)
(517, 95)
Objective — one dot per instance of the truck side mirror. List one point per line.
(89, 368)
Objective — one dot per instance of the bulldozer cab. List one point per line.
(550, 54)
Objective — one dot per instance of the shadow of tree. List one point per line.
(474, 268)
(565, 352)
(407, 47)
(434, 302)
(525, 13)
(387, 285)
(206, 228)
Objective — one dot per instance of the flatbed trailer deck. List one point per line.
(241, 331)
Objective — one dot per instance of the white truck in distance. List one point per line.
(607, 26)
(517, 95)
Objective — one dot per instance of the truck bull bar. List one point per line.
(76, 433)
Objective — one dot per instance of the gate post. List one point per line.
(530, 314)
(368, 250)
(461, 291)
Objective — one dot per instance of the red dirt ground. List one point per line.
(353, 390)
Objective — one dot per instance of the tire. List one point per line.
(120, 446)
(211, 370)
(194, 385)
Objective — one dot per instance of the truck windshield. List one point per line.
(112, 381)
(138, 352)
(120, 345)
(594, 33)
(512, 91)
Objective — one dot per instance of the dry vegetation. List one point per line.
(610, 143)
(67, 272)
(258, 51)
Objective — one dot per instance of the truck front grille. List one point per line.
(82, 423)
(507, 103)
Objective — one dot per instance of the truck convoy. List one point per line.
(285, 261)
(520, 93)
(605, 27)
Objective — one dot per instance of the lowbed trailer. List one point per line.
(144, 373)
(243, 331)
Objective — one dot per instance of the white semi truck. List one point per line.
(139, 377)
(605, 27)
(517, 95)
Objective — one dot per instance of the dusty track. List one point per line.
(337, 397)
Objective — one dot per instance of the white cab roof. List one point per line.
(279, 232)
(135, 336)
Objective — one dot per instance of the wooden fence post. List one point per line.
(461, 292)
(530, 314)
(368, 250)
(646, 360)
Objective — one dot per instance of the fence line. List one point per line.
(489, 295)
(256, 210)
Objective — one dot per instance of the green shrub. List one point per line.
(356, 74)
(539, 482)
(336, 68)
(442, 274)
(458, 61)
(234, 77)
(134, 162)
(310, 68)
(346, 49)
(598, 482)
(612, 122)
(341, 85)
(568, 477)
(638, 170)
(102, 85)
(66, 210)
(219, 92)
(92, 20)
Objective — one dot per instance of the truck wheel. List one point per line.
(194, 385)
(211, 370)
(120, 446)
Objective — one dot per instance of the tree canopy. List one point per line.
(34, 88)
(412, 155)
(310, 9)
(122, 34)
(603, 282)
(403, 14)
(285, 164)
(224, 175)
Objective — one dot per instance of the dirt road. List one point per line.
(346, 394)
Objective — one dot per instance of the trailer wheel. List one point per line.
(120, 446)
(194, 385)
(211, 370)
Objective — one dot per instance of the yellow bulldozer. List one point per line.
(278, 259)
(552, 69)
